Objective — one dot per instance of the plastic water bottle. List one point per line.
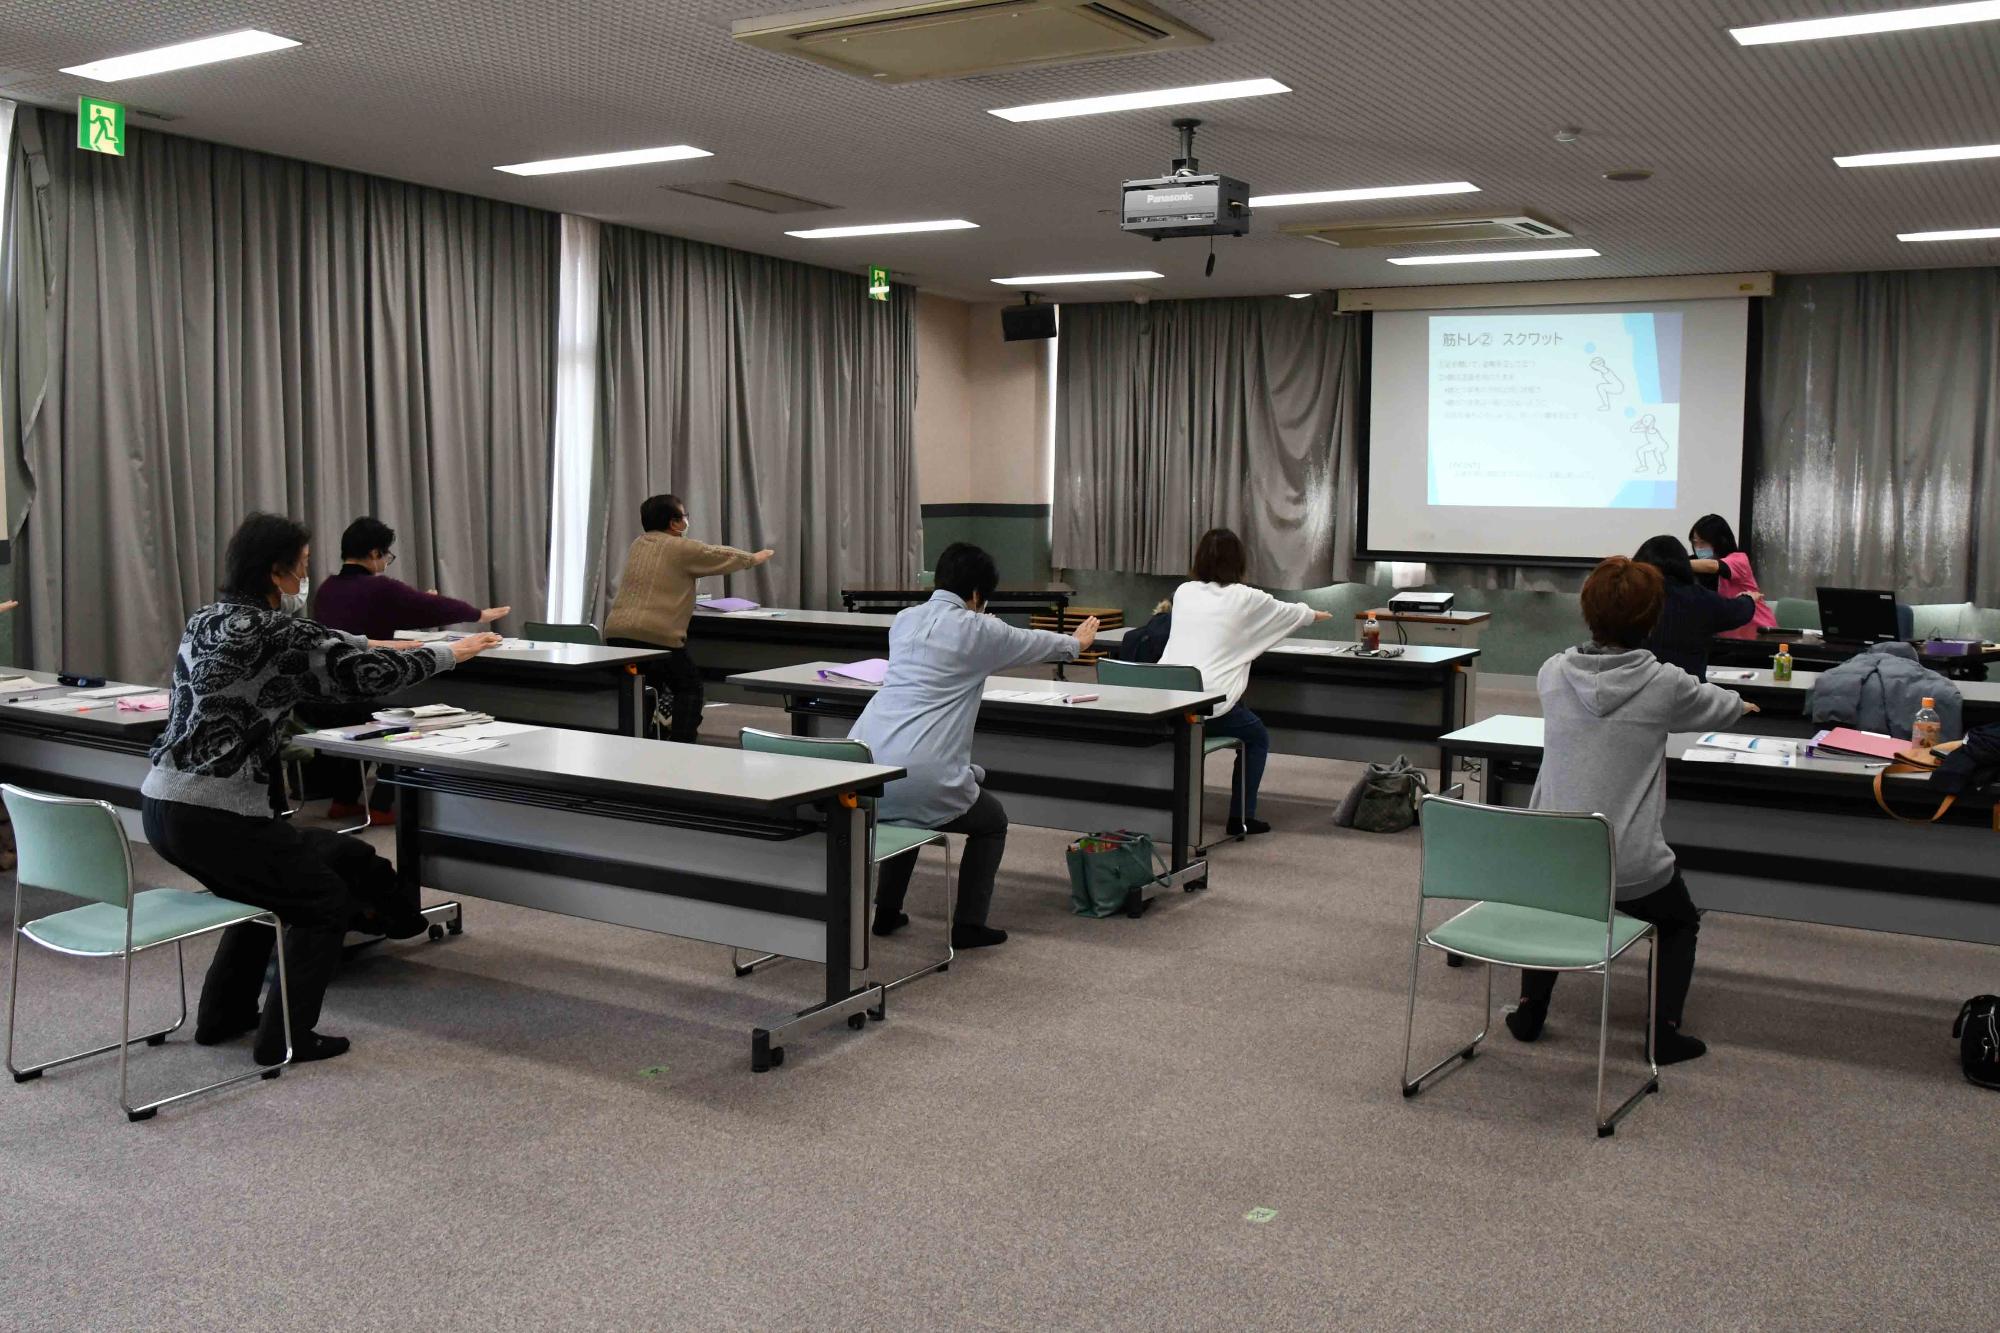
(1781, 665)
(1371, 634)
(1928, 727)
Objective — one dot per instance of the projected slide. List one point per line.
(1572, 410)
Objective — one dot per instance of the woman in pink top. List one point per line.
(1716, 552)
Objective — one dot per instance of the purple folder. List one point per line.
(870, 672)
(725, 604)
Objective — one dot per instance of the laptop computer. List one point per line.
(1858, 615)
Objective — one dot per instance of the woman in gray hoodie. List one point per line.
(1607, 708)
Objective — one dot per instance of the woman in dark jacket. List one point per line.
(1692, 614)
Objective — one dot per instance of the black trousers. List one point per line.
(318, 882)
(677, 675)
(341, 778)
(1672, 913)
(985, 830)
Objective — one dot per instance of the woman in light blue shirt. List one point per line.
(922, 719)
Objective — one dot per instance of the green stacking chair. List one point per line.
(1163, 676)
(1796, 613)
(1542, 884)
(891, 840)
(537, 631)
(77, 847)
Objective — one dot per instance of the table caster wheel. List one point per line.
(136, 1116)
(157, 1039)
(436, 932)
(857, 1021)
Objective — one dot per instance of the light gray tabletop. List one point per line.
(1341, 650)
(1511, 734)
(562, 657)
(592, 763)
(103, 717)
(805, 619)
(1114, 700)
(1760, 678)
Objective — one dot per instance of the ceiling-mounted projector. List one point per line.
(1184, 202)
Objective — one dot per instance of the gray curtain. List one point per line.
(204, 331)
(775, 398)
(1178, 416)
(1879, 458)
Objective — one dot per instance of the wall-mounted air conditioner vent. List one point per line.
(1375, 233)
(953, 39)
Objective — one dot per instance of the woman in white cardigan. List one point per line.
(1221, 625)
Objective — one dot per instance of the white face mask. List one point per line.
(1703, 553)
(294, 603)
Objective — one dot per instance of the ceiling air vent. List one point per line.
(1374, 233)
(953, 39)
(751, 196)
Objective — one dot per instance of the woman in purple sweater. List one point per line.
(362, 599)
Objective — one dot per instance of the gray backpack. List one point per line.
(1384, 800)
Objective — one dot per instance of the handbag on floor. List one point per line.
(1978, 1033)
(1384, 799)
(1105, 869)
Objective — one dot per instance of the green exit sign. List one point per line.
(100, 126)
(878, 283)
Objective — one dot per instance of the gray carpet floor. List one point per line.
(547, 1123)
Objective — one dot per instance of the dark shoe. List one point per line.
(1238, 829)
(1671, 1046)
(1525, 1022)
(888, 923)
(214, 1034)
(305, 1049)
(976, 937)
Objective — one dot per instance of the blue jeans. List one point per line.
(1247, 727)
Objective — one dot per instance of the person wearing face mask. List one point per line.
(655, 602)
(245, 662)
(1717, 554)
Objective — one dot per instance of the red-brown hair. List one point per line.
(1621, 602)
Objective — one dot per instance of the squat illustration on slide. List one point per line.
(1608, 383)
(1652, 444)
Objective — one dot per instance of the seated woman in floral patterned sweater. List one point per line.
(245, 661)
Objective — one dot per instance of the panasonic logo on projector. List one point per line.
(1168, 198)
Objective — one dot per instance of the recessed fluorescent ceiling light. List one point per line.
(1092, 106)
(1051, 279)
(631, 158)
(1496, 257)
(1907, 156)
(883, 229)
(1373, 192)
(1300, 296)
(1963, 234)
(1855, 25)
(229, 46)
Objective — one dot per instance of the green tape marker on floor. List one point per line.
(1260, 1214)
(652, 1071)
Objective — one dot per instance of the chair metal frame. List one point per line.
(936, 838)
(1606, 1126)
(1239, 779)
(126, 1040)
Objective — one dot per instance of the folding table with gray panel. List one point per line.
(755, 851)
(1320, 700)
(1787, 704)
(1129, 759)
(101, 754)
(1801, 844)
(729, 645)
(578, 686)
